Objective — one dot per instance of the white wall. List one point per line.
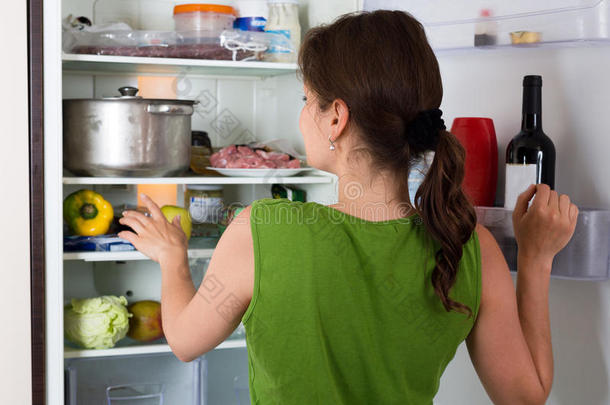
(15, 377)
(576, 115)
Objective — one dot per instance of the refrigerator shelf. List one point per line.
(133, 64)
(199, 248)
(72, 353)
(311, 179)
(586, 257)
(128, 256)
(497, 24)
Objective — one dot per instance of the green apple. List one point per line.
(170, 211)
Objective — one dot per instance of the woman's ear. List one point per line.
(339, 116)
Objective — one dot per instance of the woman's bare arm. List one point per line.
(510, 344)
(196, 321)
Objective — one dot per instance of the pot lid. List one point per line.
(129, 93)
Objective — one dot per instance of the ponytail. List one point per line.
(447, 214)
(382, 66)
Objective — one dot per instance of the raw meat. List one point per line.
(189, 51)
(244, 157)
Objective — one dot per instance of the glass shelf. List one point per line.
(307, 179)
(131, 64)
(138, 349)
(199, 248)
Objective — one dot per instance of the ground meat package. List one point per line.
(120, 40)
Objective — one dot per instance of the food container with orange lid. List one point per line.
(203, 17)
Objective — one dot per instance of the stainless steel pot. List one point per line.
(127, 135)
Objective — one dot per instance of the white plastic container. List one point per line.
(252, 15)
(284, 20)
(203, 17)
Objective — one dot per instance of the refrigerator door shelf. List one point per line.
(485, 24)
(586, 257)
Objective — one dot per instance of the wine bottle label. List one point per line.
(518, 179)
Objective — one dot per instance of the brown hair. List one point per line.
(381, 65)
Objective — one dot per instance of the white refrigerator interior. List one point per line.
(575, 101)
(237, 107)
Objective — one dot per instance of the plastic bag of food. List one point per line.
(253, 41)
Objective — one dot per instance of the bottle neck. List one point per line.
(532, 109)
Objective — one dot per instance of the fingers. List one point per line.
(129, 237)
(153, 208)
(133, 223)
(176, 221)
(564, 205)
(554, 200)
(543, 193)
(144, 220)
(523, 200)
(573, 213)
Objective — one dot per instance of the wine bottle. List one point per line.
(530, 156)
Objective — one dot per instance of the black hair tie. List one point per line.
(423, 132)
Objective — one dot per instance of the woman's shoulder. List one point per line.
(282, 208)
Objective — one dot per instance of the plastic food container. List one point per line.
(251, 15)
(203, 17)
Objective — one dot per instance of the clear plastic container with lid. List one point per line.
(203, 17)
(205, 204)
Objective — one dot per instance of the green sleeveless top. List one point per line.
(343, 310)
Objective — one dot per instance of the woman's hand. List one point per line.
(155, 236)
(545, 227)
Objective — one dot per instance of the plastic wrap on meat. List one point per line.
(189, 51)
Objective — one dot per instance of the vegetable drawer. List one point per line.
(134, 380)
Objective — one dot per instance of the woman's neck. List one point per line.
(371, 195)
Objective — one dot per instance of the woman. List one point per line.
(367, 300)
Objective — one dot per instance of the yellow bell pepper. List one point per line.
(87, 213)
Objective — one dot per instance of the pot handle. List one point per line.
(168, 109)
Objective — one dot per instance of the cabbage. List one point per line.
(96, 323)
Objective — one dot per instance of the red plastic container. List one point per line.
(478, 137)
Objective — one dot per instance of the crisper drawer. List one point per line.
(454, 24)
(134, 380)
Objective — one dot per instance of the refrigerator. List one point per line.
(245, 101)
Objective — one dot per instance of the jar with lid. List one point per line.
(283, 20)
(204, 203)
(251, 15)
(201, 150)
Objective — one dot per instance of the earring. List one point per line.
(332, 144)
